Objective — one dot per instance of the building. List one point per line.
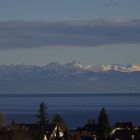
(49, 132)
(125, 131)
(88, 132)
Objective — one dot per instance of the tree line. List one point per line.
(18, 133)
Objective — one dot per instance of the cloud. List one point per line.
(28, 34)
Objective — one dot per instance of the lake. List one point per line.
(76, 109)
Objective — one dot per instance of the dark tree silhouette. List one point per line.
(104, 125)
(59, 121)
(91, 121)
(2, 120)
(42, 115)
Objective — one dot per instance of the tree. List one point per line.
(20, 133)
(91, 121)
(103, 125)
(2, 120)
(42, 115)
(60, 122)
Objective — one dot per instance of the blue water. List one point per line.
(75, 109)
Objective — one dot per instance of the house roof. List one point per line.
(48, 127)
(127, 134)
(124, 124)
(90, 127)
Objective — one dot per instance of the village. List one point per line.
(57, 129)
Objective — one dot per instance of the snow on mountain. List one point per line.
(71, 77)
(132, 68)
(112, 67)
(101, 67)
(76, 66)
(121, 68)
(72, 67)
(53, 66)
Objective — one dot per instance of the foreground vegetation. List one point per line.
(46, 129)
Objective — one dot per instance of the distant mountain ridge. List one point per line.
(72, 77)
(96, 68)
(74, 65)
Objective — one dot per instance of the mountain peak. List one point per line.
(73, 67)
(75, 64)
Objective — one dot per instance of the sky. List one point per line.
(90, 31)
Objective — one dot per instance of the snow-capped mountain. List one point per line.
(71, 77)
(73, 66)
(115, 67)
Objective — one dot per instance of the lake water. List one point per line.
(76, 109)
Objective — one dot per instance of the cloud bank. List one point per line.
(28, 34)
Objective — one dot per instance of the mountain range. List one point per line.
(72, 77)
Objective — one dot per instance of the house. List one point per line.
(125, 131)
(92, 128)
(122, 126)
(52, 131)
(128, 125)
(122, 134)
(88, 132)
(49, 132)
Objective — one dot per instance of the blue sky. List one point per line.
(90, 31)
